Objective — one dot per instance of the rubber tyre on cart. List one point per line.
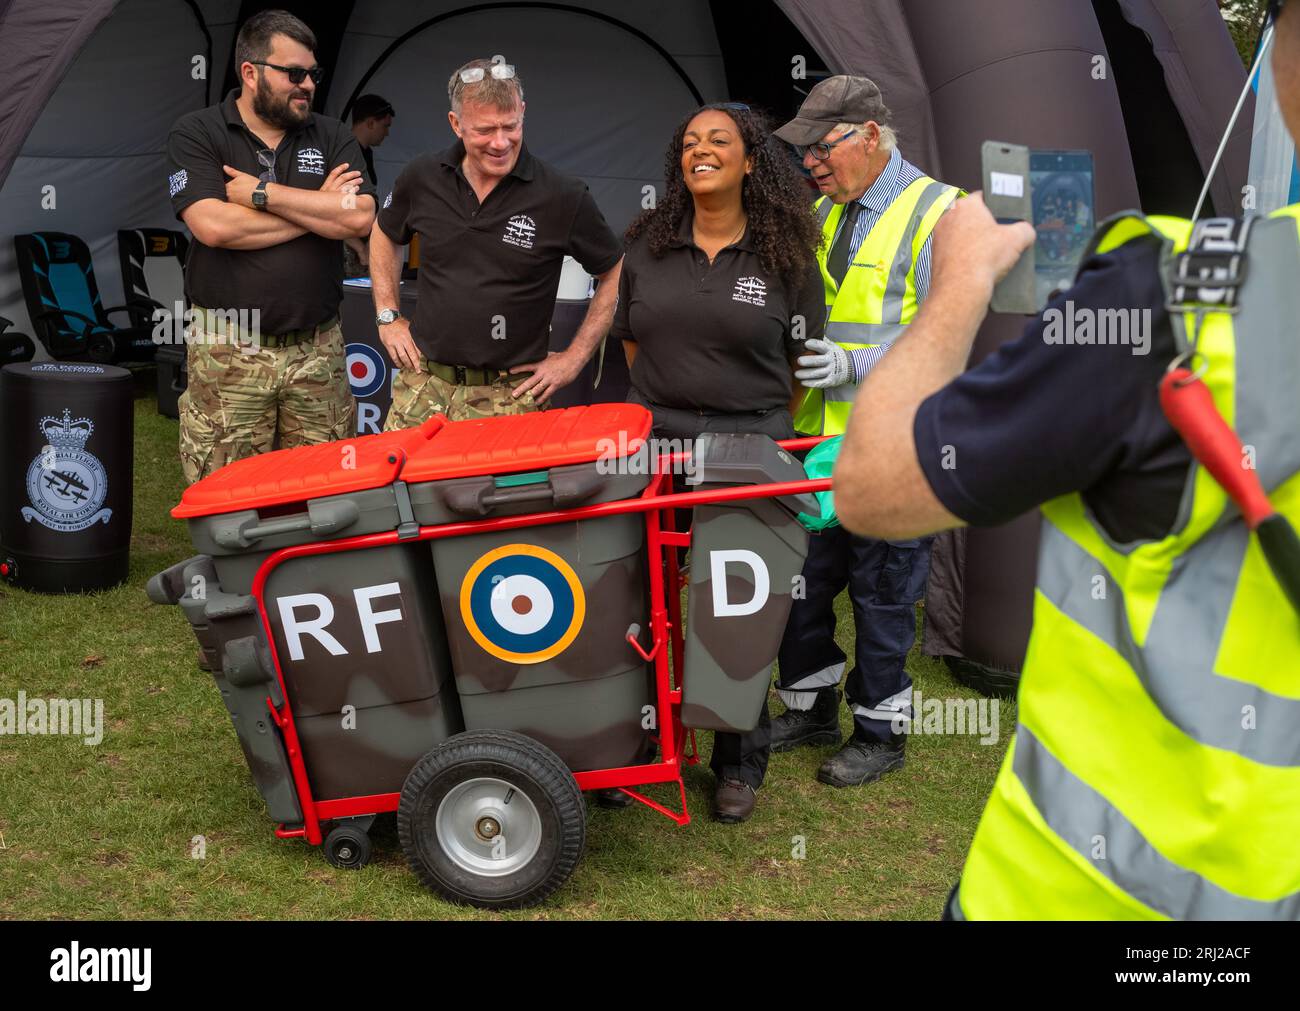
(493, 819)
(348, 847)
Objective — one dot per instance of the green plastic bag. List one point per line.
(819, 463)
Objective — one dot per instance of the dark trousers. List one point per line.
(884, 580)
(735, 756)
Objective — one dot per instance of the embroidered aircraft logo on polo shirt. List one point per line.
(311, 160)
(520, 231)
(751, 290)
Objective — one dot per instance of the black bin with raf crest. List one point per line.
(66, 457)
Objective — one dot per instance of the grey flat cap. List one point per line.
(841, 99)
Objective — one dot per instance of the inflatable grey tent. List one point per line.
(1147, 85)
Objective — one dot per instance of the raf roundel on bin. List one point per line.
(522, 603)
(367, 370)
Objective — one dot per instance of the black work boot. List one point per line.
(613, 799)
(862, 761)
(795, 728)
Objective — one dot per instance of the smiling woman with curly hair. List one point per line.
(720, 288)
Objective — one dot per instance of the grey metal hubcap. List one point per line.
(488, 827)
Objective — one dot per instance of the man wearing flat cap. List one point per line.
(876, 212)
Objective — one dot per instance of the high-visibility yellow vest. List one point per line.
(1155, 770)
(878, 297)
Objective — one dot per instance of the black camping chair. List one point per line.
(153, 264)
(63, 302)
(14, 347)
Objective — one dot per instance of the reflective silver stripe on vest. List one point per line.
(824, 207)
(1176, 665)
(1079, 815)
(1268, 368)
(892, 309)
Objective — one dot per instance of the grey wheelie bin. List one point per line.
(746, 556)
(358, 633)
(537, 618)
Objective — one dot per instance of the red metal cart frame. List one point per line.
(658, 503)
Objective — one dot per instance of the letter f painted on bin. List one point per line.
(722, 606)
(371, 620)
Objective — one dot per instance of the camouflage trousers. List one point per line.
(241, 397)
(417, 396)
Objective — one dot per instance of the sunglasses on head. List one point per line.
(501, 71)
(296, 74)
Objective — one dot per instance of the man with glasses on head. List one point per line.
(269, 190)
(495, 224)
(876, 214)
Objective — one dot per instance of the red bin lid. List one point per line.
(522, 442)
(294, 475)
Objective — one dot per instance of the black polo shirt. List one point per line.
(1035, 420)
(296, 284)
(489, 272)
(714, 337)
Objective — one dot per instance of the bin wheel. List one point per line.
(493, 819)
(348, 847)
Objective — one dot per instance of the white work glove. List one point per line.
(829, 366)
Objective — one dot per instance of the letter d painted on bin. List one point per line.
(724, 608)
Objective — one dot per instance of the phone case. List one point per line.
(1007, 196)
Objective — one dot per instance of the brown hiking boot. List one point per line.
(733, 801)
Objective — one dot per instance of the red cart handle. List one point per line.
(1189, 406)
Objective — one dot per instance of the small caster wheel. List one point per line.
(348, 847)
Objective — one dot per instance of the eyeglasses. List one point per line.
(296, 74)
(500, 71)
(822, 150)
(266, 158)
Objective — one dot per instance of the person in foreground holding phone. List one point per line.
(718, 283)
(1155, 771)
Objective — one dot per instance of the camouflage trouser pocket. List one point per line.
(417, 396)
(197, 439)
(315, 401)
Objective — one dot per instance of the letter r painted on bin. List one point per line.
(724, 607)
(294, 627)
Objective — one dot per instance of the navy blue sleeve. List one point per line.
(1040, 418)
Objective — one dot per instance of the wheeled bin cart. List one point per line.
(450, 622)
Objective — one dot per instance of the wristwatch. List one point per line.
(259, 195)
(387, 316)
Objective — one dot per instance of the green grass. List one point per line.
(106, 831)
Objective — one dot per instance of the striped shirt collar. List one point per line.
(881, 193)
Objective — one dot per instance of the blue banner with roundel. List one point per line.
(522, 603)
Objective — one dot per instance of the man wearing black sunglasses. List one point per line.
(270, 191)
